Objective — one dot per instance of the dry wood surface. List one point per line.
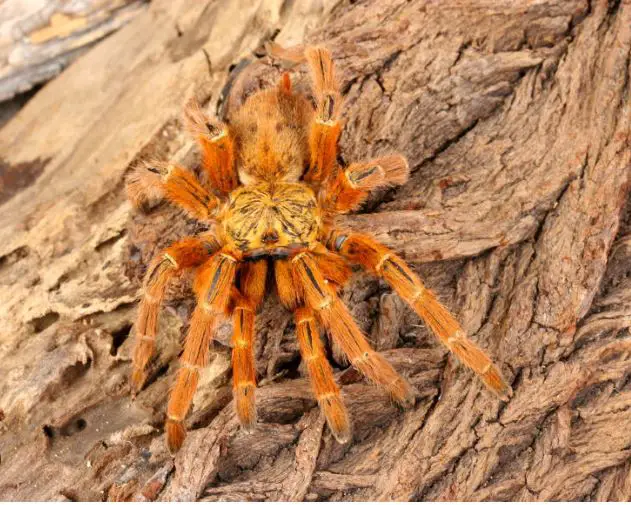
(39, 38)
(516, 118)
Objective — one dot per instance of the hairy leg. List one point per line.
(287, 291)
(350, 187)
(171, 262)
(251, 294)
(321, 297)
(326, 127)
(217, 146)
(176, 184)
(213, 285)
(324, 387)
(334, 268)
(376, 257)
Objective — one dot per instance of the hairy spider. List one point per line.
(274, 189)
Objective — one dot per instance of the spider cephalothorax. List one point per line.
(273, 190)
(271, 219)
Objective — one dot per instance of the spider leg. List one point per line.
(335, 269)
(176, 184)
(253, 276)
(325, 389)
(383, 262)
(334, 316)
(325, 129)
(217, 145)
(213, 285)
(311, 349)
(350, 187)
(171, 262)
(287, 291)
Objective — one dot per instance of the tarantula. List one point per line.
(273, 190)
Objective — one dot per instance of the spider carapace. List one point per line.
(272, 220)
(272, 190)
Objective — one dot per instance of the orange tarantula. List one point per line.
(273, 190)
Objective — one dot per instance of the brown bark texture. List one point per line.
(39, 38)
(516, 119)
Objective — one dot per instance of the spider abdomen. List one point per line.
(272, 219)
(272, 137)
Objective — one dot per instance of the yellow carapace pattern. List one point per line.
(272, 219)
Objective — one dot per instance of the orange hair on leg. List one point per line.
(325, 130)
(176, 184)
(323, 147)
(325, 86)
(243, 369)
(321, 375)
(335, 317)
(213, 285)
(288, 291)
(383, 262)
(253, 277)
(253, 281)
(334, 268)
(171, 262)
(195, 357)
(216, 143)
(348, 190)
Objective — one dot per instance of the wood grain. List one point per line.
(38, 39)
(516, 120)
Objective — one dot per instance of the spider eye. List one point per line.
(269, 237)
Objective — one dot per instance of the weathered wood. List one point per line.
(516, 119)
(38, 39)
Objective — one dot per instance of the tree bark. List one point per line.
(516, 119)
(39, 38)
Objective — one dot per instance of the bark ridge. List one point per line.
(516, 120)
